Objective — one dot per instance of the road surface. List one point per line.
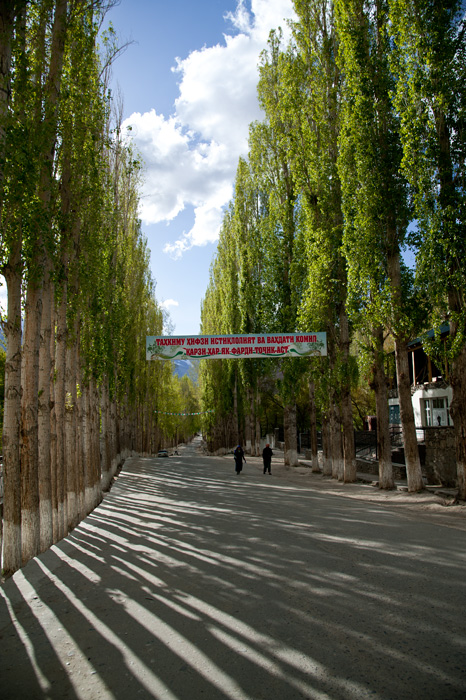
(189, 582)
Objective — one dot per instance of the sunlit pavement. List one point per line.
(191, 582)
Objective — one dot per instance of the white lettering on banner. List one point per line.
(236, 346)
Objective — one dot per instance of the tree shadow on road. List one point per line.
(188, 582)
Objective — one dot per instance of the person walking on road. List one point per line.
(267, 457)
(239, 457)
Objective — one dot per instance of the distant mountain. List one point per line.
(187, 367)
(181, 367)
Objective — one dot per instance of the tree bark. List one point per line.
(236, 412)
(326, 447)
(70, 511)
(105, 436)
(10, 539)
(58, 494)
(12, 417)
(313, 428)
(349, 451)
(53, 443)
(44, 413)
(412, 459)
(34, 298)
(97, 466)
(87, 448)
(413, 462)
(458, 414)
(80, 432)
(248, 422)
(30, 525)
(291, 438)
(258, 425)
(336, 447)
(379, 385)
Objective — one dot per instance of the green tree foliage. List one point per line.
(72, 244)
(363, 131)
(312, 98)
(220, 314)
(376, 213)
(430, 63)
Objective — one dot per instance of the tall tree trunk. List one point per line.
(30, 525)
(96, 461)
(81, 466)
(53, 436)
(326, 446)
(147, 426)
(379, 385)
(458, 414)
(86, 422)
(291, 437)
(58, 496)
(112, 432)
(412, 459)
(12, 417)
(119, 437)
(449, 197)
(313, 428)
(336, 447)
(139, 428)
(10, 534)
(258, 426)
(65, 410)
(248, 421)
(413, 462)
(236, 412)
(69, 494)
(349, 451)
(34, 304)
(105, 436)
(44, 413)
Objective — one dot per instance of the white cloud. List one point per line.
(168, 303)
(218, 92)
(191, 157)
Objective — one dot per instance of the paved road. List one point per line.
(189, 582)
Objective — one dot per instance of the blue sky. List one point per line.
(188, 84)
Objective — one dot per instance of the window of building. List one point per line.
(435, 411)
(394, 415)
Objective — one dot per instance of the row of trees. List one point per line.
(79, 395)
(361, 153)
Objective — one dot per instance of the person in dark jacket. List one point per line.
(267, 457)
(239, 457)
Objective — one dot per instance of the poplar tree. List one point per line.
(220, 314)
(250, 261)
(12, 147)
(376, 213)
(430, 63)
(271, 158)
(311, 95)
(71, 236)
